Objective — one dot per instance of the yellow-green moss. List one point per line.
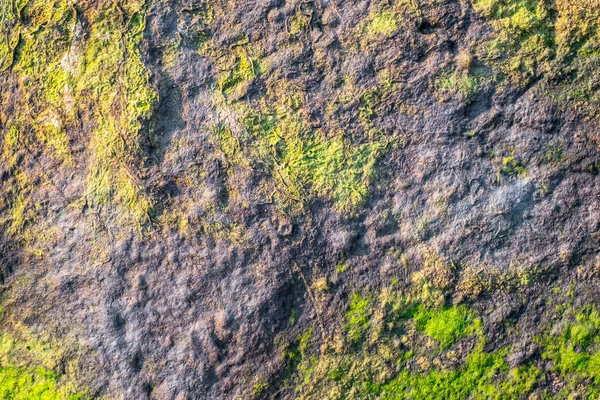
(397, 343)
(382, 23)
(307, 162)
(100, 78)
(446, 325)
(575, 350)
(533, 38)
(399, 362)
(43, 40)
(11, 145)
(28, 369)
(524, 42)
(113, 80)
(456, 84)
(238, 67)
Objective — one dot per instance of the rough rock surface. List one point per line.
(444, 148)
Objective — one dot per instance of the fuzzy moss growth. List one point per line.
(511, 167)
(575, 351)
(21, 210)
(340, 171)
(28, 369)
(446, 325)
(382, 23)
(401, 345)
(306, 162)
(456, 84)
(271, 134)
(10, 30)
(27, 384)
(113, 80)
(37, 59)
(525, 42)
(244, 69)
(301, 163)
(475, 379)
(534, 38)
(20, 214)
(410, 348)
(358, 317)
(101, 76)
(381, 369)
(239, 67)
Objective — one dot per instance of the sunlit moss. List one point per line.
(524, 37)
(575, 350)
(382, 369)
(19, 214)
(397, 344)
(51, 135)
(37, 58)
(114, 81)
(11, 145)
(578, 27)
(382, 23)
(446, 325)
(456, 85)
(477, 378)
(340, 171)
(100, 77)
(240, 66)
(534, 38)
(358, 317)
(305, 162)
(28, 369)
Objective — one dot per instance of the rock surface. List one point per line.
(178, 217)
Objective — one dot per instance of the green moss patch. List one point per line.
(32, 384)
(99, 78)
(302, 163)
(446, 325)
(535, 38)
(575, 351)
(456, 84)
(399, 362)
(114, 81)
(28, 369)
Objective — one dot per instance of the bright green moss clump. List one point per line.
(457, 84)
(28, 370)
(383, 23)
(525, 39)
(23, 384)
(399, 345)
(339, 171)
(411, 344)
(358, 317)
(399, 363)
(446, 325)
(402, 345)
(575, 351)
(473, 380)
